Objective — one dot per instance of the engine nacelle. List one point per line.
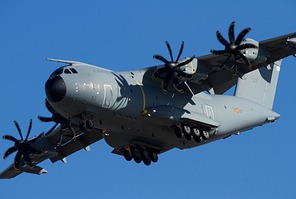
(189, 69)
(250, 53)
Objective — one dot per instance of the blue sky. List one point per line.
(124, 35)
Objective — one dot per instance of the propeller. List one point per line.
(57, 119)
(22, 146)
(171, 68)
(234, 46)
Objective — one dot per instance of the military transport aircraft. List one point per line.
(146, 112)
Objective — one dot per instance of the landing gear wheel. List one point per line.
(197, 139)
(195, 132)
(147, 162)
(127, 155)
(153, 157)
(136, 154)
(89, 124)
(188, 136)
(145, 155)
(205, 134)
(178, 132)
(196, 135)
(186, 129)
(187, 132)
(146, 158)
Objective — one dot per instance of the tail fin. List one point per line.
(260, 84)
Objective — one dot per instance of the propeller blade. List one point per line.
(27, 159)
(33, 139)
(245, 59)
(45, 119)
(231, 33)
(235, 69)
(165, 82)
(9, 137)
(160, 58)
(52, 128)
(9, 151)
(164, 87)
(218, 52)
(17, 159)
(170, 50)
(226, 60)
(180, 52)
(177, 83)
(159, 72)
(241, 35)
(29, 130)
(19, 129)
(221, 39)
(49, 107)
(244, 46)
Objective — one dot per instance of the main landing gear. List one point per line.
(138, 155)
(198, 133)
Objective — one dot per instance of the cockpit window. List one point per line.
(67, 71)
(73, 70)
(57, 72)
(64, 70)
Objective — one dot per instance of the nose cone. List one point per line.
(55, 89)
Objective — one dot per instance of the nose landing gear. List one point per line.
(84, 126)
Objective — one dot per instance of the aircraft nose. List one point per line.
(55, 89)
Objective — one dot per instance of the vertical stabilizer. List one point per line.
(260, 84)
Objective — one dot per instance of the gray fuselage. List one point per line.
(117, 103)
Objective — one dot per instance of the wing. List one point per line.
(277, 48)
(221, 79)
(213, 74)
(51, 146)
